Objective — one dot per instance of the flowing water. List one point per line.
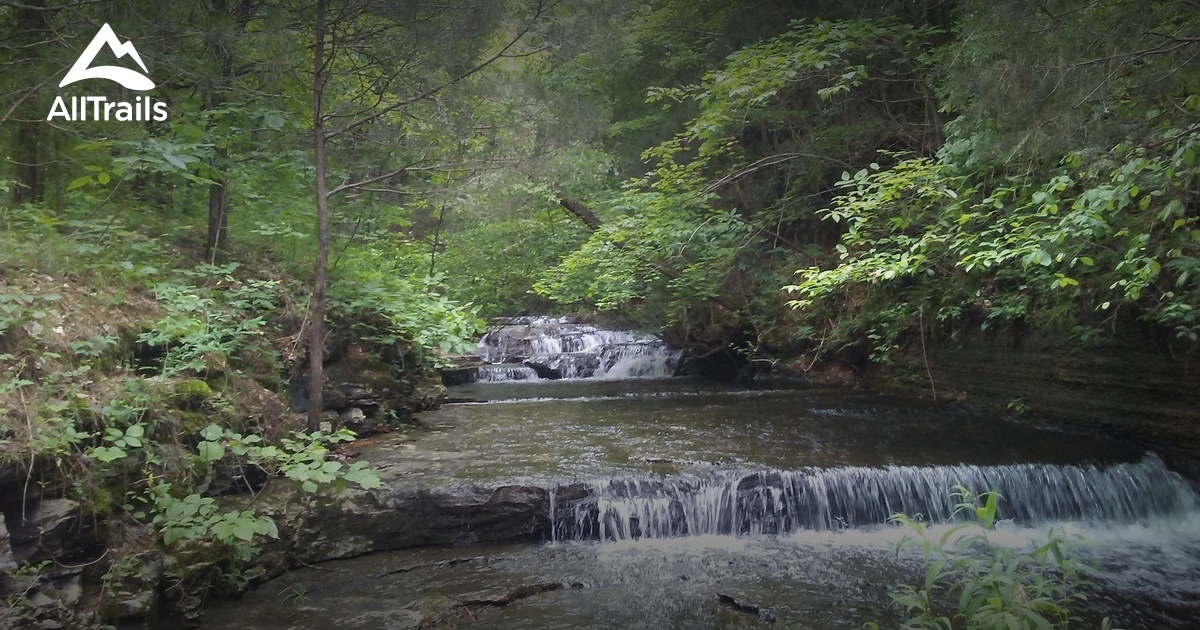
(561, 348)
(776, 498)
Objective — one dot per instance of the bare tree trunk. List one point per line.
(581, 211)
(27, 152)
(218, 219)
(216, 244)
(316, 349)
(27, 159)
(437, 232)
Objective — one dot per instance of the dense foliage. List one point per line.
(903, 170)
(751, 178)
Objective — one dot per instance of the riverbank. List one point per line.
(650, 467)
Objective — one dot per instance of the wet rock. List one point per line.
(388, 620)
(763, 615)
(543, 370)
(460, 376)
(506, 597)
(560, 348)
(7, 563)
(356, 522)
(52, 528)
(137, 605)
(358, 421)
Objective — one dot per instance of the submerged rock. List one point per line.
(738, 603)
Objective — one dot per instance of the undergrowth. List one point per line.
(143, 383)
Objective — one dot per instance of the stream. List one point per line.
(681, 503)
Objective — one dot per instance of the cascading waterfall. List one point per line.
(529, 348)
(780, 502)
(502, 373)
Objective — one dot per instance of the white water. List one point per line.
(782, 502)
(504, 373)
(1135, 527)
(570, 351)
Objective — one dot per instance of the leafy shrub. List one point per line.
(972, 583)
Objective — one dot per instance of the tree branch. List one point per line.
(590, 219)
(348, 127)
(770, 160)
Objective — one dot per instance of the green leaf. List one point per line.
(79, 182)
(211, 451)
(103, 178)
(243, 528)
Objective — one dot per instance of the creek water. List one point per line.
(775, 498)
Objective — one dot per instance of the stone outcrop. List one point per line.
(319, 528)
(7, 562)
(51, 529)
(369, 395)
(1125, 387)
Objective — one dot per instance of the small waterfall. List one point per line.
(558, 348)
(501, 373)
(780, 502)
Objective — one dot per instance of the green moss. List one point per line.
(192, 393)
(98, 500)
(193, 421)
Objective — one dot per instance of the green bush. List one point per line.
(973, 583)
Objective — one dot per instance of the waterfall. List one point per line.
(780, 502)
(501, 373)
(556, 348)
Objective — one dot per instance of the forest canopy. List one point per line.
(770, 178)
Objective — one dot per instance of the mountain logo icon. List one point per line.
(131, 79)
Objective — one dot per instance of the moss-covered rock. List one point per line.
(190, 395)
(193, 421)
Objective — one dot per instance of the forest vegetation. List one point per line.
(360, 181)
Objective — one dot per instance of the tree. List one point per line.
(227, 20)
(374, 52)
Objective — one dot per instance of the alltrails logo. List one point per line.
(142, 109)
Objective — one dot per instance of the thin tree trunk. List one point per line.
(218, 218)
(218, 192)
(27, 158)
(437, 231)
(27, 151)
(316, 350)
